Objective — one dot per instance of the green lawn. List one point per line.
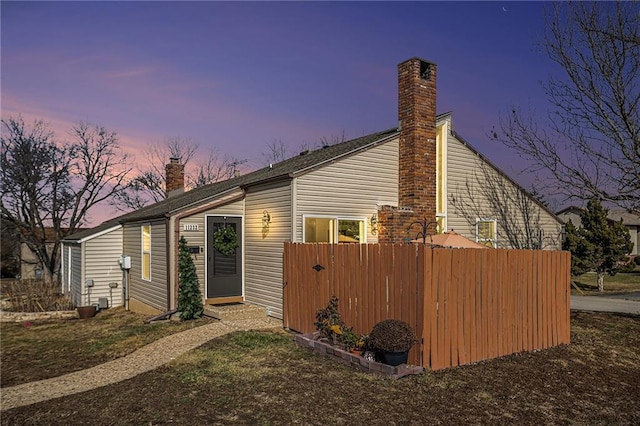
(621, 282)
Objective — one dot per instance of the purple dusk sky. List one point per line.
(236, 76)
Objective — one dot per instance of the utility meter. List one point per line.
(125, 262)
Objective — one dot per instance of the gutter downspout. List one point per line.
(174, 230)
(168, 234)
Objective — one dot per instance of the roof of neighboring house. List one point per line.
(570, 209)
(50, 233)
(628, 218)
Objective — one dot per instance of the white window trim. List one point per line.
(142, 252)
(444, 133)
(338, 218)
(495, 226)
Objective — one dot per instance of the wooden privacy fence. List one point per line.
(466, 305)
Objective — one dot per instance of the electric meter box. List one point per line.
(125, 262)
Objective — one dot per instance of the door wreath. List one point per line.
(225, 240)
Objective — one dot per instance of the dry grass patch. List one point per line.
(622, 282)
(42, 349)
(263, 378)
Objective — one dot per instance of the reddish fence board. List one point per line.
(466, 305)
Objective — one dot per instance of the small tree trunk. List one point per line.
(600, 281)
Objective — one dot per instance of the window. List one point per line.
(441, 178)
(332, 230)
(486, 232)
(146, 252)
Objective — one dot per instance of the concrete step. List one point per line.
(235, 311)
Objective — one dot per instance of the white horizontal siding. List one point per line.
(353, 186)
(472, 184)
(101, 263)
(264, 245)
(198, 238)
(154, 292)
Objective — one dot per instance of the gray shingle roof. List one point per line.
(285, 169)
(628, 218)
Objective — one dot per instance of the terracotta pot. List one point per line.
(86, 312)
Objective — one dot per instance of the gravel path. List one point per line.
(144, 359)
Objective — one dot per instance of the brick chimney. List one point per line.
(175, 177)
(417, 156)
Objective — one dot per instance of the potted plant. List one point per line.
(86, 312)
(349, 339)
(393, 339)
(328, 321)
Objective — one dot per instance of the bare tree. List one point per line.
(46, 184)
(275, 153)
(9, 248)
(332, 140)
(149, 184)
(487, 194)
(213, 170)
(590, 144)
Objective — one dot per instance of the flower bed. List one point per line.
(356, 361)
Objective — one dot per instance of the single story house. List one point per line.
(629, 219)
(388, 186)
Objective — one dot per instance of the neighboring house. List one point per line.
(629, 219)
(377, 188)
(30, 265)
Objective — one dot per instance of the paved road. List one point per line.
(611, 303)
(633, 295)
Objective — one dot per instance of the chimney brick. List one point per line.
(175, 177)
(417, 156)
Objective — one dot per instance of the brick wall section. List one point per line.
(175, 177)
(417, 164)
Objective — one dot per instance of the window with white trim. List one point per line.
(334, 230)
(441, 178)
(487, 232)
(146, 252)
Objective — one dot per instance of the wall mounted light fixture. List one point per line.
(266, 218)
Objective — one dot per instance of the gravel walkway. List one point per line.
(144, 359)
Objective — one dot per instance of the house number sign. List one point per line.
(191, 227)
